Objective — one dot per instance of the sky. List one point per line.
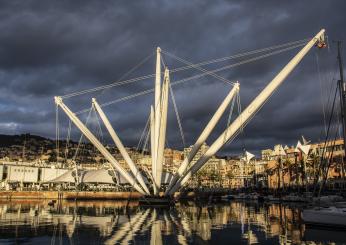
(54, 48)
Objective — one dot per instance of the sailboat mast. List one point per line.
(341, 85)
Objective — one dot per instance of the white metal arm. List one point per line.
(249, 112)
(157, 115)
(137, 174)
(98, 144)
(162, 127)
(152, 141)
(204, 135)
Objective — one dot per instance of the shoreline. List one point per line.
(69, 195)
(91, 195)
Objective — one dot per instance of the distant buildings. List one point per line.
(292, 168)
(279, 167)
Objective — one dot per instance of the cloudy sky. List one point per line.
(50, 48)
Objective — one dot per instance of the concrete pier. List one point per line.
(69, 195)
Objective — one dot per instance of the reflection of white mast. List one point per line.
(123, 230)
(156, 236)
(135, 228)
(184, 225)
(149, 223)
(250, 237)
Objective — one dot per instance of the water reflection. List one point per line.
(115, 222)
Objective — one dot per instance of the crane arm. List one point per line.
(157, 114)
(250, 111)
(137, 174)
(204, 135)
(162, 127)
(98, 144)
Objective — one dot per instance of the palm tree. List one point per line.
(287, 168)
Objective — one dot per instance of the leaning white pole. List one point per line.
(98, 144)
(157, 107)
(163, 126)
(249, 112)
(152, 144)
(204, 135)
(137, 174)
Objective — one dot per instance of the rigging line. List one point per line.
(195, 77)
(330, 103)
(241, 128)
(327, 77)
(199, 68)
(67, 140)
(303, 41)
(100, 133)
(326, 168)
(240, 115)
(82, 135)
(330, 92)
(177, 115)
(131, 70)
(146, 142)
(108, 86)
(114, 84)
(249, 119)
(230, 113)
(57, 133)
(143, 133)
(325, 142)
(321, 90)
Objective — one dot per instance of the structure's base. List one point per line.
(156, 201)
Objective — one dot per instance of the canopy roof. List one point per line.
(101, 176)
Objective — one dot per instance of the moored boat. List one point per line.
(271, 198)
(294, 198)
(325, 216)
(227, 197)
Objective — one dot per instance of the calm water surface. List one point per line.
(111, 222)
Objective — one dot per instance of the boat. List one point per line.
(325, 216)
(252, 197)
(240, 196)
(271, 198)
(227, 197)
(293, 198)
(327, 199)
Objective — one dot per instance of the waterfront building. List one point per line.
(266, 154)
(293, 168)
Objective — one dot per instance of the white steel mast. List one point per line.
(157, 107)
(204, 135)
(152, 143)
(98, 144)
(249, 112)
(163, 127)
(137, 174)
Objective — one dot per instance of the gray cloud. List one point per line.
(56, 47)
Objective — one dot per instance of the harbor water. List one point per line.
(121, 222)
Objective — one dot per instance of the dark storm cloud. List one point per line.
(50, 48)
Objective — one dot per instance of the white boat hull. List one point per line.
(330, 216)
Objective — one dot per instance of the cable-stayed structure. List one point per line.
(150, 183)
